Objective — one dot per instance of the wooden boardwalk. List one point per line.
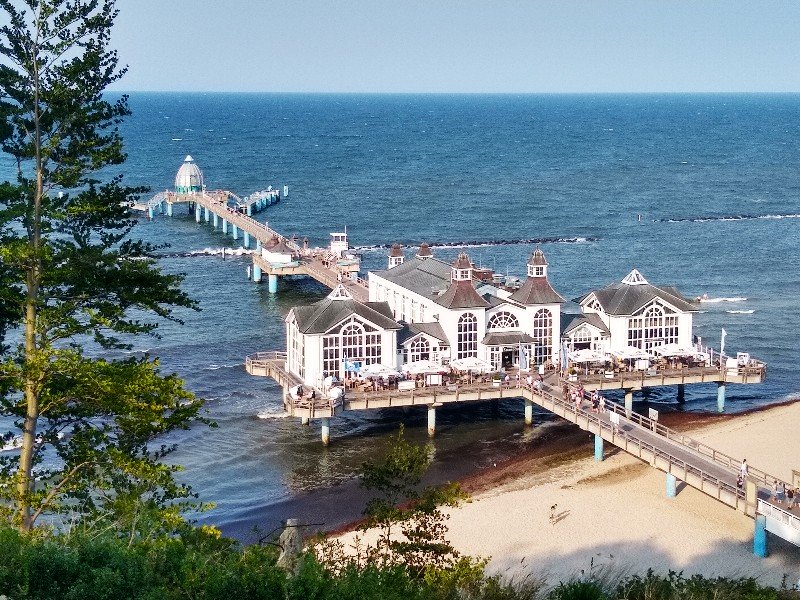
(697, 464)
(310, 263)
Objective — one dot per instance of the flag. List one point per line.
(523, 359)
(722, 342)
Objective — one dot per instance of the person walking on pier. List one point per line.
(744, 469)
(774, 497)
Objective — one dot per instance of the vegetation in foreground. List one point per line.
(201, 565)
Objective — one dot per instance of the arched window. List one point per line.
(420, 350)
(654, 328)
(503, 320)
(581, 338)
(467, 336)
(352, 341)
(543, 334)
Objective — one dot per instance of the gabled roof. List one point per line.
(322, 316)
(536, 290)
(423, 276)
(278, 246)
(412, 330)
(461, 294)
(626, 297)
(570, 323)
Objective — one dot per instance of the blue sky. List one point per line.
(459, 46)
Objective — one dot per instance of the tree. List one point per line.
(412, 527)
(76, 285)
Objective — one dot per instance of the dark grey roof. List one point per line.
(507, 338)
(624, 299)
(321, 316)
(536, 290)
(411, 330)
(572, 322)
(461, 294)
(423, 276)
(493, 300)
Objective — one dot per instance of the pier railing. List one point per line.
(721, 458)
(784, 517)
(626, 436)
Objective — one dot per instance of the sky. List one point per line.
(466, 46)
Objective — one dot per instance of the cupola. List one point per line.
(424, 251)
(395, 256)
(462, 268)
(189, 179)
(537, 264)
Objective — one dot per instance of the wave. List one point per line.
(209, 252)
(272, 414)
(215, 367)
(725, 218)
(486, 243)
(723, 299)
(740, 312)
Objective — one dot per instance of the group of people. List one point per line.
(535, 383)
(780, 491)
(576, 396)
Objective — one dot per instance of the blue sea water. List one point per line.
(697, 191)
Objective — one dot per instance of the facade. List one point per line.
(450, 315)
(636, 313)
(189, 179)
(339, 334)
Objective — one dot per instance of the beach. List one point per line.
(614, 516)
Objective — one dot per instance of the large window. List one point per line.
(582, 338)
(467, 336)
(503, 320)
(543, 335)
(420, 350)
(297, 362)
(354, 342)
(654, 328)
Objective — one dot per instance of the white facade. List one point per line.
(647, 316)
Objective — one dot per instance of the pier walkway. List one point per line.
(214, 207)
(679, 456)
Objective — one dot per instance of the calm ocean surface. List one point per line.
(715, 180)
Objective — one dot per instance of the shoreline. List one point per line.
(562, 443)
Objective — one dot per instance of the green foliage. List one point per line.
(674, 586)
(577, 590)
(71, 279)
(408, 515)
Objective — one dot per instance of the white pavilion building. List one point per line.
(632, 312)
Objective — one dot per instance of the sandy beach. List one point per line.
(615, 516)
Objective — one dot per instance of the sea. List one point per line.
(697, 191)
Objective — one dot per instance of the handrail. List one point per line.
(265, 356)
(629, 436)
(778, 513)
(696, 446)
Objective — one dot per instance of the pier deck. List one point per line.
(315, 263)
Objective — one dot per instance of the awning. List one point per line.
(586, 356)
(630, 353)
(507, 338)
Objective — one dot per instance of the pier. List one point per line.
(678, 456)
(233, 215)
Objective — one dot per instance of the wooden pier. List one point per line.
(214, 207)
(679, 456)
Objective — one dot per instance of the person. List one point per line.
(595, 402)
(790, 498)
(744, 469)
(529, 380)
(739, 481)
(781, 492)
(313, 394)
(774, 496)
(538, 384)
(602, 404)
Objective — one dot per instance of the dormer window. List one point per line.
(461, 274)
